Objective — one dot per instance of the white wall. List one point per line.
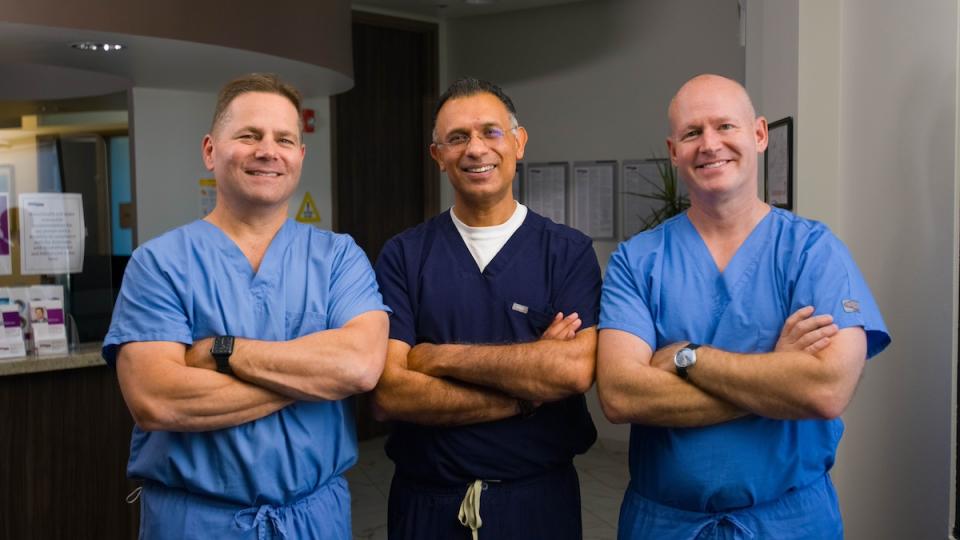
(592, 80)
(898, 208)
(167, 127)
(772, 70)
(876, 149)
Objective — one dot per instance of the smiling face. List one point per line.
(255, 153)
(715, 138)
(478, 150)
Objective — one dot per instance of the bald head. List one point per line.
(712, 87)
(715, 139)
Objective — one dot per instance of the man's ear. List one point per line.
(435, 154)
(762, 134)
(672, 151)
(521, 141)
(206, 151)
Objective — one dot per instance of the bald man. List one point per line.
(732, 338)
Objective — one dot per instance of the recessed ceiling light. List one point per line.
(94, 46)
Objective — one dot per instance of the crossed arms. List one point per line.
(465, 384)
(171, 387)
(812, 373)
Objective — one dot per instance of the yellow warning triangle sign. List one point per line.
(308, 212)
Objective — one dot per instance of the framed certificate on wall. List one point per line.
(545, 190)
(594, 198)
(778, 165)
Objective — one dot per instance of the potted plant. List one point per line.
(666, 192)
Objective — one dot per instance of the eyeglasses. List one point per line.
(491, 136)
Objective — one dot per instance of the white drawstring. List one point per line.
(470, 507)
(134, 495)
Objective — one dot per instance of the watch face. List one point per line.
(686, 358)
(222, 345)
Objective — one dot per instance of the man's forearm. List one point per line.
(544, 370)
(789, 385)
(633, 390)
(644, 395)
(331, 364)
(415, 397)
(165, 395)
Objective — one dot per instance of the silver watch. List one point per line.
(685, 359)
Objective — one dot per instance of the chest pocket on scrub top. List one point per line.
(537, 319)
(301, 323)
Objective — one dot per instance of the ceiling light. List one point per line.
(94, 46)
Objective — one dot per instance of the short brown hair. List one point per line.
(254, 82)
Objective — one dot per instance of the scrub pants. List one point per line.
(545, 506)
(808, 513)
(175, 514)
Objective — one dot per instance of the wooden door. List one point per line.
(383, 178)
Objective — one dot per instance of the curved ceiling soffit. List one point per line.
(176, 47)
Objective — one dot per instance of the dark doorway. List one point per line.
(383, 178)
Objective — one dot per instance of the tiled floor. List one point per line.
(603, 477)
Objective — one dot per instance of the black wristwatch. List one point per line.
(221, 351)
(685, 359)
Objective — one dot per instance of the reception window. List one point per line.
(66, 221)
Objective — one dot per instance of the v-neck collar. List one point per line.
(271, 257)
(468, 265)
(739, 267)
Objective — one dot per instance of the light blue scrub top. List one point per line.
(194, 282)
(663, 286)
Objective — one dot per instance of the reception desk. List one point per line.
(64, 443)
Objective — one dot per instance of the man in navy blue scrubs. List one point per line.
(236, 337)
(492, 344)
(732, 337)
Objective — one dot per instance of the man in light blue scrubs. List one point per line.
(732, 338)
(236, 338)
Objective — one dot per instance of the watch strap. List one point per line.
(221, 351)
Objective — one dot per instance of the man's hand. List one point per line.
(802, 332)
(563, 327)
(421, 356)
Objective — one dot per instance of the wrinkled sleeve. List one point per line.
(353, 286)
(625, 302)
(829, 280)
(148, 307)
(580, 289)
(392, 275)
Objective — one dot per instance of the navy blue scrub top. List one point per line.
(438, 295)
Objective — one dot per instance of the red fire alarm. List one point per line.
(309, 120)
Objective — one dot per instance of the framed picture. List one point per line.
(545, 189)
(778, 165)
(594, 194)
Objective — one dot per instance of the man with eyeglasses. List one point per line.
(492, 344)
